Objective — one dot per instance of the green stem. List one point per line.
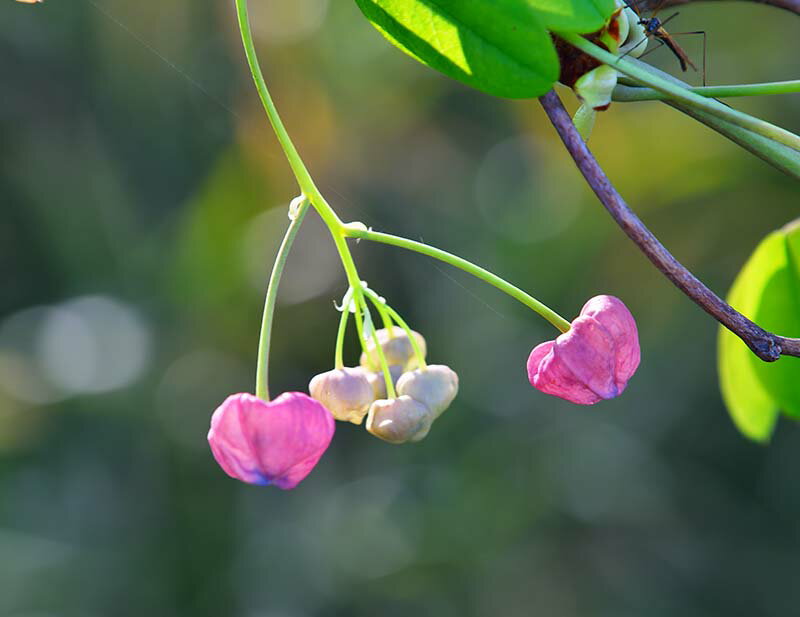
(649, 94)
(680, 94)
(362, 341)
(515, 292)
(349, 266)
(381, 308)
(339, 356)
(779, 156)
(304, 179)
(387, 374)
(262, 368)
(376, 300)
(328, 215)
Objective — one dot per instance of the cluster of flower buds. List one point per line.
(623, 35)
(423, 392)
(279, 442)
(592, 81)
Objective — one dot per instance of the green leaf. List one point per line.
(752, 409)
(767, 291)
(779, 312)
(579, 16)
(501, 47)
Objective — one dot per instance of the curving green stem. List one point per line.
(781, 157)
(299, 169)
(338, 362)
(680, 94)
(337, 229)
(387, 374)
(359, 319)
(381, 308)
(547, 313)
(262, 368)
(378, 302)
(627, 94)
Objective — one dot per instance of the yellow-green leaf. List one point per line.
(501, 47)
(767, 290)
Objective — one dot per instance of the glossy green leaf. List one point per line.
(572, 15)
(501, 47)
(752, 409)
(779, 312)
(767, 290)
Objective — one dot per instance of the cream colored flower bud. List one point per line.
(399, 420)
(435, 386)
(346, 393)
(634, 41)
(378, 383)
(397, 349)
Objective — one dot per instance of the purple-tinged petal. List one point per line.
(277, 443)
(549, 373)
(551, 377)
(594, 359)
(587, 352)
(613, 315)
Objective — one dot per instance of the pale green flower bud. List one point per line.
(378, 383)
(435, 386)
(634, 39)
(397, 349)
(399, 420)
(595, 87)
(584, 120)
(346, 393)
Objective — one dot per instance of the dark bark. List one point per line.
(766, 345)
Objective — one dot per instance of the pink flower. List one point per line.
(594, 359)
(270, 443)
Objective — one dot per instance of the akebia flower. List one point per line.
(399, 420)
(277, 442)
(346, 392)
(594, 359)
(435, 386)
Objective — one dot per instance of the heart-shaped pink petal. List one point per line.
(594, 359)
(277, 442)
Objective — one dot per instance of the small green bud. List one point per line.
(434, 386)
(584, 120)
(634, 40)
(399, 420)
(595, 87)
(397, 349)
(346, 393)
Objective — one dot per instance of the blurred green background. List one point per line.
(142, 197)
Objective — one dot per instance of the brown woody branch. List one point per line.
(766, 345)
